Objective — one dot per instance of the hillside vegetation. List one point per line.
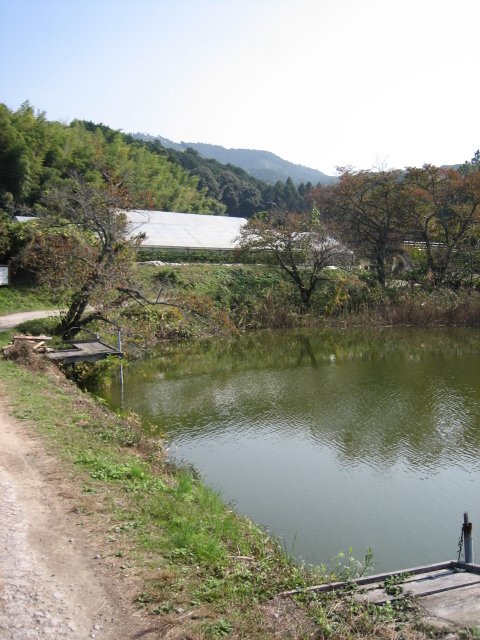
(232, 181)
(263, 165)
(37, 155)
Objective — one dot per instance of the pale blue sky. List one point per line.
(318, 82)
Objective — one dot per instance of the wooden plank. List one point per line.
(427, 575)
(64, 353)
(423, 586)
(471, 567)
(31, 338)
(86, 348)
(7, 348)
(460, 605)
(379, 577)
(446, 595)
(85, 351)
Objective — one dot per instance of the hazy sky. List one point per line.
(319, 82)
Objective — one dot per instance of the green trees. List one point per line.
(241, 194)
(36, 156)
(14, 237)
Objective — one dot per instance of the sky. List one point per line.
(322, 83)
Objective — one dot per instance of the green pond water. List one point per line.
(344, 438)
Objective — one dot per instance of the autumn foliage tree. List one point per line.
(368, 210)
(442, 211)
(83, 250)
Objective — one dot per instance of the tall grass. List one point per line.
(424, 308)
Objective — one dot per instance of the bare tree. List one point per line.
(300, 243)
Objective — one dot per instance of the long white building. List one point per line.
(169, 230)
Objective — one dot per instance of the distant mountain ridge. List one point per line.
(263, 165)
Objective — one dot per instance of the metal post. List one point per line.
(467, 538)
(121, 369)
(121, 387)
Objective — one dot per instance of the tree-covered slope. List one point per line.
(241, 194)
(264, 165)
(37, 155)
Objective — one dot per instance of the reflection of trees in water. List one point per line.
(422, 413)
(265, 349)
(378, 397)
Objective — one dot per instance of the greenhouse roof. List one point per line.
(170, 230)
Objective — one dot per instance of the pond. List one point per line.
(334, 439)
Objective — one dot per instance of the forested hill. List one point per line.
(37, 155)
(264, 165)
(240, 193)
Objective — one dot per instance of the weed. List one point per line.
(166, 607)
(352, 568)
(393, 584)
(219, 629)
(103, 469)
(472, 633)
(88, 490)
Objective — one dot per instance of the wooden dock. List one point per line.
(448, 592)
(84, 351)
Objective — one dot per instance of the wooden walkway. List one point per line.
(448, 592)
(84, 351)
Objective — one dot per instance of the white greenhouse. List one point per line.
(169, 230)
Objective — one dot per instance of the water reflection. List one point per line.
(308, 428)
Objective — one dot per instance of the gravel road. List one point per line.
(53, 583)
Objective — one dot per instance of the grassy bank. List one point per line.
(259, 297)
(24, 298)
(199, 569)
(222, 298)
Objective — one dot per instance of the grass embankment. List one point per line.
(259, 297)
(199, 569)
(213, 298)
(24, 298)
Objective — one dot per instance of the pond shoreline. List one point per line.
(111, 468)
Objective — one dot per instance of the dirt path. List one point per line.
(13, 319)
(52, 583)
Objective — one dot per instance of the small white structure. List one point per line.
(169, 230)
(4, 275)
